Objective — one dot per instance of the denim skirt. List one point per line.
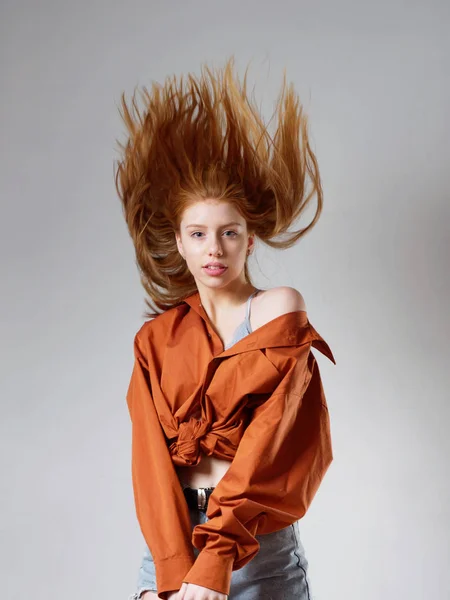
(279, 571)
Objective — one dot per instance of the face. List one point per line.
(214, 231)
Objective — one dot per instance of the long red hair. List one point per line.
(202, 139)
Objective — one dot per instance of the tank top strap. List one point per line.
(247, 318)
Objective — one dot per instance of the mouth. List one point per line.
(214, 269)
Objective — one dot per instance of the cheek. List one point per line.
(195, 250)
(194, 253)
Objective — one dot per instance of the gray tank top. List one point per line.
(244, 328)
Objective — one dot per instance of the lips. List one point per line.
(215, 265)
(215, 271)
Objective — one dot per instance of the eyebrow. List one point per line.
(226, 225)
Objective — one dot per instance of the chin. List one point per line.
(214, 282)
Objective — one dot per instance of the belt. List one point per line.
(197, 498)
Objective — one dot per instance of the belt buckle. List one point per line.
(201, 498)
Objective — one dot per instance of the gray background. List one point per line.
(374, 274)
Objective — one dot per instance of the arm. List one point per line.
(161, 508)
(278, 467)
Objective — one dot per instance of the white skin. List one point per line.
(213, 238)
(216, 240)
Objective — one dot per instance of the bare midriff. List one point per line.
(207, 473)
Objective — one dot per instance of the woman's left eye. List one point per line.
(233, 232)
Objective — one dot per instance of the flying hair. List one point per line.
(199, 138)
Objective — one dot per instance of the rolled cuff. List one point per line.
(212, 571)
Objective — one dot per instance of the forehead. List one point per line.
(210, 213)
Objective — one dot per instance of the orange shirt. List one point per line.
(260, 404)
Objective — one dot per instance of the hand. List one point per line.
(191, 591)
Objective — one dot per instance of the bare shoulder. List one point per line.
(277, 301)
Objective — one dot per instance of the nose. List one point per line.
(216, 247)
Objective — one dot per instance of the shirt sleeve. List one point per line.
(161, 507)
(275, 473)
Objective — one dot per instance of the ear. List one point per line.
(178, 241)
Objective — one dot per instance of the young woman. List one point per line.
(230, 426)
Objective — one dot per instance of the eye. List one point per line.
(234, 233)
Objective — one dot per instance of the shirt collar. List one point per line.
(289, 329)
